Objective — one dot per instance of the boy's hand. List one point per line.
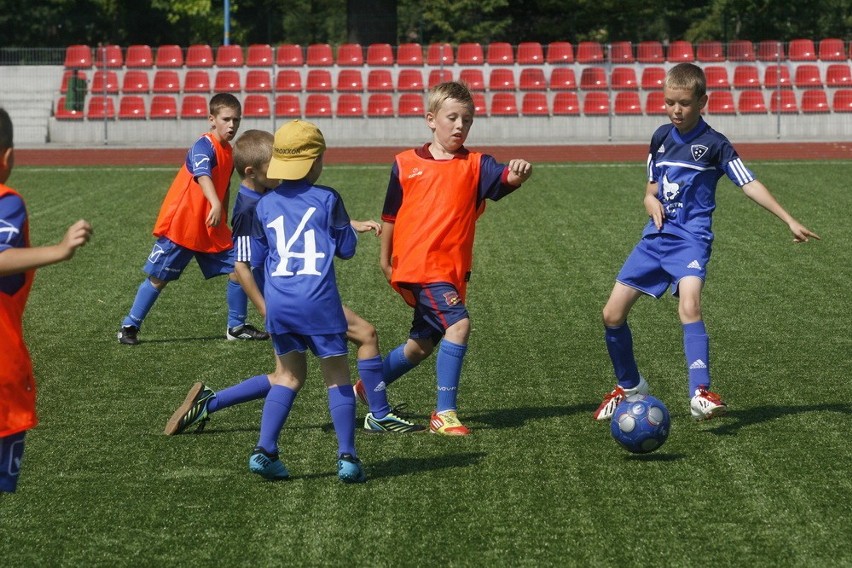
(519, 171)
(76, 236)
(366, 226)
(801, 233)
(655, 210)
(215, 215)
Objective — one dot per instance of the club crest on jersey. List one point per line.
(452, 298)
(698, 150)
(415, 172)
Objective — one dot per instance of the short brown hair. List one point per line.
(5, 130)
(687, 76)
(224, 100)
(450, 90)
(252, 149)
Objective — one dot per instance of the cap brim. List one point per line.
(289, 169)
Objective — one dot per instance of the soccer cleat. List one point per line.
(267, 465)
(447, 423)
(611, 400)
(361, 393)
(193, 410)
(128, 335)
(390, 423)
(706, 405)
(349, 469)
(245, 332)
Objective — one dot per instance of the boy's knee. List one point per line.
(157, 283)
(459, 332)
(363, 334)
(418, 349)
(612, 318)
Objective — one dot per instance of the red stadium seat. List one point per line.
(593, 79)
(105, 82)
(258, 81)
(802, 49)
(770, 50)
(288, 80)
(408, 54)
(535, 104)
(501, 79)
(349, 105)
(655, 103)
(563, 79)
(379, 54)
(621, 52)
(710, 51)
(100, 108)
(627, 103)
(652, 78)
(131, 107)
(380, 105)
(289, 55)
(260, 55)
(139, 57)
(78, 57)
(832, 49)
(438, 76)
(532, 79)
(590, 52)
(815, 101)
(288, 106)
(650, 52)
(199, 55)
(135, 81)
(196, 81)
(320, 55)
(560, 52)
(318, 105)
(350, 80)
(166, 81)
(473, 77)
(721, 102)
(409, 80)
(504, 104)
(783, 101)
(379, 80)
(163, 106)
(439, 54)
(807, 75)
(411, 104)
(61, 112)
(350, 55)
(169, 56)
(624, 78)
(108, 56)
(530, 53)
(566, 103)
(842, 101)
(680, 51)
(717, 77)
(741, 50)
(229, 56)
(751, 102)
(227, 81)
(68, 74)
(194, 106)
(319, 81)
(480, 107)
(746, 77)
(595, 104)
(838, 75)
(777, 75)
(500, 53)
(256, 106)
(470, 54)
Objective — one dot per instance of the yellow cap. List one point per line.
(297, 145)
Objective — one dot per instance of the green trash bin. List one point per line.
(76, 92)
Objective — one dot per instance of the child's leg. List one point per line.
(341, 402)
(253, 388)
(237, 302)
(448, 365)
(696, 343)
(146, 295)
(288, 378)
(619, 340)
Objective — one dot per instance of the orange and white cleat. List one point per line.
(706, 405)
(447, 423)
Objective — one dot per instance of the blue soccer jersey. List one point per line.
(687, 169)
(201, 158)
(298, 230)
(242, 220)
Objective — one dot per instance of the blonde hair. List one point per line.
(687, 76)
(442, 92)
(252, 150)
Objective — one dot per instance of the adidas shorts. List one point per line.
(438, 307)
(168, 260)
(323, 346)
(11, 453)
(661, 260)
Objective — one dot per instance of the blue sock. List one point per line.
(146, 295)
(237, 304)
(396, 365)
(370, 371)
(449, 367)
(278, 403)
(619, 344)
(696, 346)
(250, 389)
(341, 405)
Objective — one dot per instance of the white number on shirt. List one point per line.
(310, 255)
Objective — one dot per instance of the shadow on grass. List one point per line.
(143, 341)
(735, 420)
(396, 467)
(516, 417)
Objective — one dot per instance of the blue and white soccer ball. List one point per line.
(640, 423)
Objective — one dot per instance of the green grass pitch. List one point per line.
(539, 483)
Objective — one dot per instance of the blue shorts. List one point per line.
(660, 261)
(11, 453)
(323, 346)
(438, 307)
(168, 260)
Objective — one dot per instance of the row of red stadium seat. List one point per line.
(805, 75)
(499, 104)
(496, 53)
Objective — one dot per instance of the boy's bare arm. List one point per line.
(519, 172)
(17, 260)
(386, 249)
(209, 190)
(366, 226)
(758, 193)
(653, 205)
(249, 285)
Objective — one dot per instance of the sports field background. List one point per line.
(539, 483)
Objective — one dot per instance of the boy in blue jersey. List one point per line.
(686, 160)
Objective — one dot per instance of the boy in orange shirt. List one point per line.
(435, 195)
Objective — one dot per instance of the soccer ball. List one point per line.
(640, 423)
